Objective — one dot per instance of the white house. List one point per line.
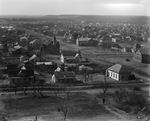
(118, 72)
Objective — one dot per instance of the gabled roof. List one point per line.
(120, 69)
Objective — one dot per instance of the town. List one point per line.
(43, 59)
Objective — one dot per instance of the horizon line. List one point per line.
(68, 15)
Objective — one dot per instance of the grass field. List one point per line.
(81, 107)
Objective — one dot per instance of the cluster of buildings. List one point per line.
(28, 51)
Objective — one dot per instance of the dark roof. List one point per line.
(62, 74)
(120, 69)
(69, 53)
(13, 62)
(12, 66)
(25, 73)
(13, 72)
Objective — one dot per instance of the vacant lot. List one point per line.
(80, 106)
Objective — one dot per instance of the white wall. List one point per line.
(113, 75)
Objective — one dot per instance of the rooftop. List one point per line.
(118, 68)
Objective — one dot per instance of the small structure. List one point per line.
(118, 72)
(64, 77)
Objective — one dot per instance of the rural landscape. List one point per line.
(75, 61)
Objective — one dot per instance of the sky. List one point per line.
(79, 7)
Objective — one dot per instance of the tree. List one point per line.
(85, 71)
(62, 94)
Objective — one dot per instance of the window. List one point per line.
(122, 77)
(117, 77)
(114, 75)
(110, 74)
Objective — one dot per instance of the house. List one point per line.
(82, 41)
(93, 42)
(86, 42)
(118, 72)
(23, 41)
(21, 77)
(71, 56)
(64, 77)
(142, 55)
(127, 49)
(18, 50)
(50, 47)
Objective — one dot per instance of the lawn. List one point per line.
(81, 106)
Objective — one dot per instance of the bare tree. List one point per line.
(62, 94)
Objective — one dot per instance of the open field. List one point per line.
(81, 107)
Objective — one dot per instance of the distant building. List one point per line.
(63, 77)
(82, 41)
(51, 47)
(142, 55)
(127, 49)
(86, 42)
(118, 72)
(71, 56)
(20, 77)
(23, 41)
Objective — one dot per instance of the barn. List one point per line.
(118, 72)
(142, 55)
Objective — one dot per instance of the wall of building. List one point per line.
(145, 59)
(113, 75)
(137, 57)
